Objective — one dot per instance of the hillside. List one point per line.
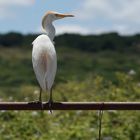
(90, 68)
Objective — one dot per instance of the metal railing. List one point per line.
(70, 106)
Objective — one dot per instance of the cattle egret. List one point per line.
(44, 55)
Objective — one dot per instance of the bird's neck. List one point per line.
(50, 30)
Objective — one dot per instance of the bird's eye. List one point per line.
(56, 15)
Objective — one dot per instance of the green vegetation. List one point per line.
(90, 68)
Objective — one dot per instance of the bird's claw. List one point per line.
(50, 102)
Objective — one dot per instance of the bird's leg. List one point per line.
(50, 101)
(40, 98)
(39, 101)
(40, 95)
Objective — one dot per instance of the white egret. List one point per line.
(44, 55)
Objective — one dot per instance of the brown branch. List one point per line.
(71, 106)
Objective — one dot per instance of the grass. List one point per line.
(81, 76)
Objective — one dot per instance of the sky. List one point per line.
(91, 16)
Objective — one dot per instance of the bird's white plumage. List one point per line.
(43, 54)
(44, 61)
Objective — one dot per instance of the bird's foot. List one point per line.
(37, 102)
(50, 102)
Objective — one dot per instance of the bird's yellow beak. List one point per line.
(63, 15)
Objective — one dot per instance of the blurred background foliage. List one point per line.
(102, 67)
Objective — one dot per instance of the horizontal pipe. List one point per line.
(70, 106)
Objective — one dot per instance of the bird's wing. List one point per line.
(40, 68)
(44, 61)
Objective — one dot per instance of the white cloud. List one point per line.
(119, 10)
(7, 5)
(88, 8)
(115, 28)
(60, 29)
(122, 15)
(68, 28)
(4, 13)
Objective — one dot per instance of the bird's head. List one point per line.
(50, 16)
